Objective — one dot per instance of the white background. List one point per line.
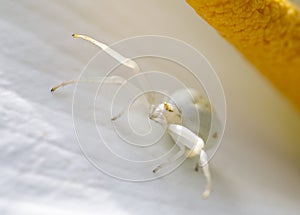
(42, 171)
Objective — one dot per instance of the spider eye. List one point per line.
(168, 107)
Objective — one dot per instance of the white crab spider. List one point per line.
(189, 136)
(182, 127)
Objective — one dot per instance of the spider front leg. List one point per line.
(121, 59)
(107, 80)
(112, 79)
(117, 56)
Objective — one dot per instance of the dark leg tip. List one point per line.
(156, 169)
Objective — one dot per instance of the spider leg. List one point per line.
(195, 144)
(107, 80)
(205, 168)
(124, 60)
(113, 79)
(118, 115)
(143, 82)
(197, 167)
(174, 158)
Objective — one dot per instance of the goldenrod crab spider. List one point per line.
(189, 137)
